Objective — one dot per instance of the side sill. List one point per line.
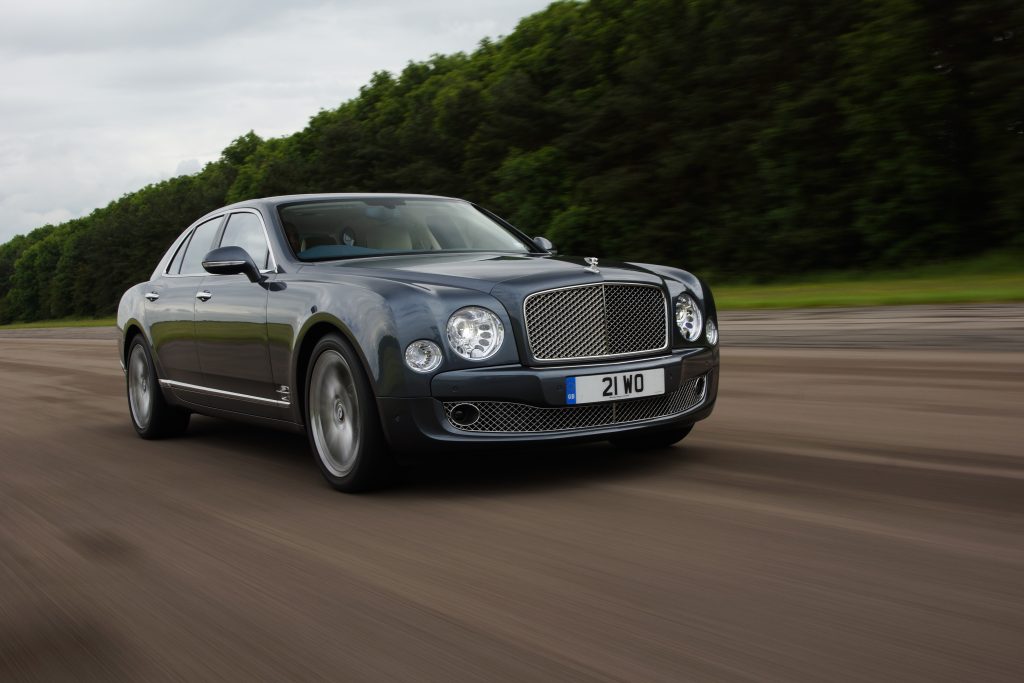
(195, 388)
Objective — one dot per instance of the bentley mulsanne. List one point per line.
(387, 324)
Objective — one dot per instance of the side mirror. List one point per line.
(545, 244)
(231, 261)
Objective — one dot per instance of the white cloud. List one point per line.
(103, 97)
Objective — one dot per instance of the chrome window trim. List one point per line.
(178, 247)
(184, 245)
(172, 384)
(266, 238)
(189, 275)
(668, 322)
(223, 216)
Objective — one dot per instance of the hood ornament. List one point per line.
(591, 264)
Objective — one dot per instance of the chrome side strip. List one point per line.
(222, 264)
(171, 384)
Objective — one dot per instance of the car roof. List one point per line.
(291, 198)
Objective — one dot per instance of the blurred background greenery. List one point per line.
(820, 143)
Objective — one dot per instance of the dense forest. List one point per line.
(736, 137)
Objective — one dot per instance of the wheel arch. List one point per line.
(131, 330)
(314, 331)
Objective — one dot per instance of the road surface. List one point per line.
(847, 514)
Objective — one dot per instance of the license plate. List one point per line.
(614, 387)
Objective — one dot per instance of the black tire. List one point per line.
(342, 422)
(151, 415)
(651, 440)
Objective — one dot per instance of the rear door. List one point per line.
(170, 307)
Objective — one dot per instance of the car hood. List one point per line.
(484, 272)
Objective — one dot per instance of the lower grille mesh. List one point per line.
(517, 418)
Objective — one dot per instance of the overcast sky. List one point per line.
(101, 97)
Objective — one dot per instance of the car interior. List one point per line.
(355, 228)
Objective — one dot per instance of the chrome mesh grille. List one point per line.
(517, 418)
(595, 321)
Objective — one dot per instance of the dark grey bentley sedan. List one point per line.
(384, 323)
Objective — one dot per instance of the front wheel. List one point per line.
(152, 416)
(651, 440)
(342, 420)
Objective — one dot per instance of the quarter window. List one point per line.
(246, 231)
(199, 246)
(175, 266)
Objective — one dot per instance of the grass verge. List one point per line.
(972, 289)
(75, 322)
(990, 278)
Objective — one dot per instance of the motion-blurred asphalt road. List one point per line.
(852, 511)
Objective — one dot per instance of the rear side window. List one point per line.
(246, 231)
(198, 247)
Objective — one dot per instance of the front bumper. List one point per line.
(515, 397)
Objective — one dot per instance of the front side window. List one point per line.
(245, 230)
(350, 228)
(199, 246)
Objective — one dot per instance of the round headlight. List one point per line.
(423, 356)
(688, 317)
(711, 332)
(475, 333)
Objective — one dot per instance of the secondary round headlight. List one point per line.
(475, 333)
(688, 317)
(711, 332)
(423, 356)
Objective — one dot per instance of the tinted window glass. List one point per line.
(175, 266)
(199, 246)
(350, 228)
(245, 230)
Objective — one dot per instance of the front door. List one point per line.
(231, 328)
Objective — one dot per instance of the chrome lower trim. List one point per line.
(171, 384)
(584, 367)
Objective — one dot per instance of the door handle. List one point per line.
(203, 295)
(152, 296)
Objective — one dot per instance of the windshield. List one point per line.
(350, 228)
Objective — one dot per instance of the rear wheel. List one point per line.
(651, 440)
(152, 416)
(342, 420)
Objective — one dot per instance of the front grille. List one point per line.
(596, 321)
(517, 418)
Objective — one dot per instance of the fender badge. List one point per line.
(592, 264)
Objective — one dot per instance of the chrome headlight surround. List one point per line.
(688, 317)
(475, 333)
(423, 356)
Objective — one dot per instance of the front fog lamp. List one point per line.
(711, 332)
(475, 333)
(688, 317)
(423, 356)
